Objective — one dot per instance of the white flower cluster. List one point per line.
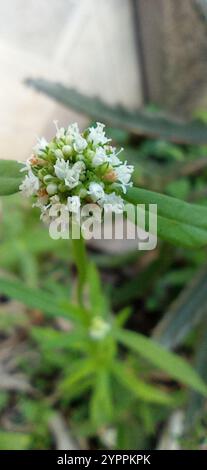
(74, 169)
(99, 328)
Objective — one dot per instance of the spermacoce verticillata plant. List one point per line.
(74, 169)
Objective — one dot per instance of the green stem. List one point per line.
(80, 258)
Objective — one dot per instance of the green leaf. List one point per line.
(178, 222)
(81, 369)
(138, 387)
(179, 188)
(185, 313)
(171, 363)
(14, 441)
(10, 177)
(197, 404)
(101, 406)
(122, 316)
(48, 338)
(161, 150)
(36, 298)
(4, 398)
(140, 122)
(98, 301)
(80, 258)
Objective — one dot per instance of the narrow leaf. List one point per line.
(80, 258)
(36, 298)
(81, 369)
(10, 177)
(197, 404)
(185, 313)
(48, 338)
(101, 406)
(171, 363)
(178, 222)
(138, 387)
(96, 294)
(139, 122)
(122, 316)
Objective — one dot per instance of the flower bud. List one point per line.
(68, 139)
(80, 157)
(59, 153)
(83, 193)
(41, 173)
(82, 177)
(67, 150)
(51, 189)
(103, 169)
(99, 328)
(62, 187)
(42, 192)
(36, 161)
(90, 154)
(110, 176)
(47, 178)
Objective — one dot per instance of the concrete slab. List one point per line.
(84, 43)
(35, 25)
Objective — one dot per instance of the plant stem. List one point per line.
(80, 258)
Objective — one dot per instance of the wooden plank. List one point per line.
(174, 49)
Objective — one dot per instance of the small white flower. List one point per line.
(123, 173)
(73, 204)
(73, 130)
(61, 168)
(113, 157)
(58, 153)
(27, 165)
(100, 157)
(79, 166)
(55, 199)
(97, 135)
(41, 202)
(40, 146)
(99, 328)
(96, 191)
(45, 215)
(29, 185)
(72, 178)
(73, 174)
(112, 203)
(60, 132)
(79, 143)
(109, 437)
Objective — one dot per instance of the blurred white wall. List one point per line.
(87, 44)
